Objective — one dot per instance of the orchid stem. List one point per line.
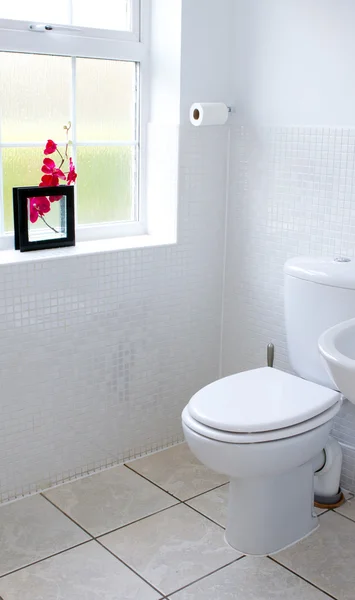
(61, 156)
(48, 225)
(67, 129)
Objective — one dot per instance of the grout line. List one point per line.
(203, 515)
(68, 517)
(40, 560)
(91, 472)
(300, 577)
(203, 493)
(156, 484)
(350, 494)
(129, 567)
(148, 454)
(206, 576)
(178, 502)
(169, 493)
(92, 539)
(157, 512)
(95, 537)
(341, 515)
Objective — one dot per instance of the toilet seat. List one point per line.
(261, 436)
(258, 406)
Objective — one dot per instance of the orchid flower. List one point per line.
(50, 147)
(38, 207)
(52, 174)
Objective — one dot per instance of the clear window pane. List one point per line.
(105, 184)
(106, 14)
(21, 167)
(34, 96)
(110, 114)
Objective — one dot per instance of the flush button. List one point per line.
(342, 259)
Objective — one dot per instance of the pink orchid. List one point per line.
(38, 207)
(54, 198)
(72, 175)
(52, 173)
(50, 147)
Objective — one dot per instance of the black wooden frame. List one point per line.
(21, 217)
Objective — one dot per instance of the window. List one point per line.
(77, 61)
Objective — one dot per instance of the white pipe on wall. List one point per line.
(327, 468)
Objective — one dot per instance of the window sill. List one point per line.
(11, 257)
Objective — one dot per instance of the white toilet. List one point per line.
(265, 428)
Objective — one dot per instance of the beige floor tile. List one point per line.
(347, 496)
(319, 511)
(85, 573)
(32, 529)
(109, 499)
(213, 504)
(347, 509)
(327, 557)
(178, 471)
(251, 579)
(173, 548)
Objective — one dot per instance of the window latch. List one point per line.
(40, 28)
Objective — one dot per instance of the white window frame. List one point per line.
(82, 42)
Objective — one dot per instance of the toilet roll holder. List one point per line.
(195, 112)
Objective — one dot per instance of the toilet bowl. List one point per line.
(268, 430)
(263, 429)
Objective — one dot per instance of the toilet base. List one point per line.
(268, 514)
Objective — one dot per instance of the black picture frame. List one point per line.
(21, 217)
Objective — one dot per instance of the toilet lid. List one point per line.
(263, 399)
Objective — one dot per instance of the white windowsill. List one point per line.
(11, 257)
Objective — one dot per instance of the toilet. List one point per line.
(265, 428)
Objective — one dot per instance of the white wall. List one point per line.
(292, 169)
(207, 40)
(192, 58)
(99, 354)
(295, 62)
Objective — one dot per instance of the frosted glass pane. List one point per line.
(105, 14)
(21, 167)
(34, 96)
(105, 98)
(47, 11)
(104, 184)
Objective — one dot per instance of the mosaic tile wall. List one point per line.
(292, 192)
(99, 354)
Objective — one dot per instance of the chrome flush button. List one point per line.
(342, 259)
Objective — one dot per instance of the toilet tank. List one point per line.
(318, 293)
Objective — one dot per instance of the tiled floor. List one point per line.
(153, 529)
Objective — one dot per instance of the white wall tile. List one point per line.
(292, 192)
(100, 353)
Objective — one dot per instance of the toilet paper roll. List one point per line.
(208, 113)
